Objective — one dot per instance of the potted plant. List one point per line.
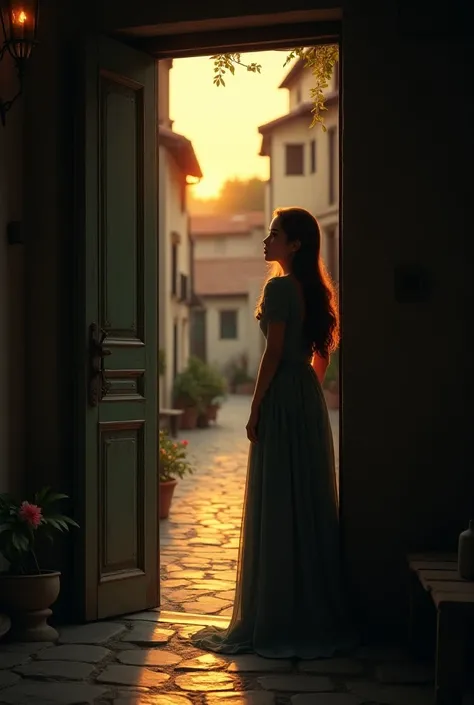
(26, 590)
(186, 393)
(331, 382)
(172, 463)
(212, 389)
(239, 379)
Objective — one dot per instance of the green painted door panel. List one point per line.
(117, 265)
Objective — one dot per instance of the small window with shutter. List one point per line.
(294, 159)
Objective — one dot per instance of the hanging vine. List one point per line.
(320, 60)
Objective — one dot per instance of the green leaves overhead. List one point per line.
(320, 60)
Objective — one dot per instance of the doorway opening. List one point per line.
(223, 212)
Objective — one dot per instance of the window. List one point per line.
(228, 325)
(294, 159)
(313, 156)
(336, 76)
(174, 269)
(183, 287)
(332, 156)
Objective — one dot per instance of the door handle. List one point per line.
(98, 385)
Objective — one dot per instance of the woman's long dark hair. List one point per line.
(321, 328)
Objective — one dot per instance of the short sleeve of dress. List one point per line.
(275, 301)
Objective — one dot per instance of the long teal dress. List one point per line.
(289, 600)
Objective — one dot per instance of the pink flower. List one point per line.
(30, 513)
(184, 443)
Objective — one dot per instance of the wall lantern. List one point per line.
(20, 25)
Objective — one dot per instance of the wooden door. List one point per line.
(116, 481)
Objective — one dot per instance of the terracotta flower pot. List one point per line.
(211, 412)
(202, 420)
(246, 388)
(188, 419)
(27, 600)
(166, 496)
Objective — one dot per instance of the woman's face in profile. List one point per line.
(276, 247)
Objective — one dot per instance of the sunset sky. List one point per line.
(222, 122)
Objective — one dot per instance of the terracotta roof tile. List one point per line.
(233, 224)
(230, 276)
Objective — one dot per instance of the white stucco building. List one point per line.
(304, 162)
(177, 162)
(229, 271)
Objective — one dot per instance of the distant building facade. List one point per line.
(228, 274)
(304, 162)
(177, 161)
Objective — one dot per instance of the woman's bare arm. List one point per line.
(270, 360)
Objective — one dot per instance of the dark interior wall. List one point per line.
(407, 481)
(12, 285)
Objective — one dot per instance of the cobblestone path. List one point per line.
(200, 540)
(147, 658)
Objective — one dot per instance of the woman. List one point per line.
(289, 598)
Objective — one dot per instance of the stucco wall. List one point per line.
(222, 352)
(248, 245)
(172, 220)
(310, 190)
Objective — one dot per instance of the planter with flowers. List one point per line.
(212, 390)
(26, 590)
(172, 463)
(186, 394)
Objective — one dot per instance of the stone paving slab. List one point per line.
(75, 652)
(30, 691)
(206, 662)
(25, 648)
(7, 678)
(327, 699)
(205, 682)
(297, 684)
(132, 675)
(149, 657)
(61, 670)
(10, 659)
(333, 666)
(95, 633)
(251, 663)
(166, 699)
(147, 634)
(249, 697)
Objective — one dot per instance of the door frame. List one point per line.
(267, 37)
(175, 44)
